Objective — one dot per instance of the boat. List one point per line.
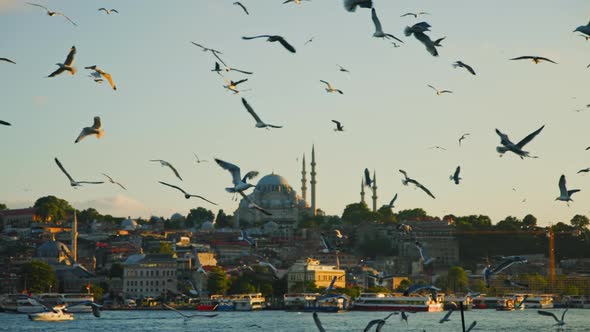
(20, 303)
(226, 304)
(398, 302)
(539, 301)
(508, 304)
(56, 315)
(486, 302)
(248, 302)
(71, 300)
(328, 303)
(207, 305)
(297, 301)
(452, 302)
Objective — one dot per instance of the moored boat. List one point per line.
(20, 303)
(297, 301)
(248, 302)
(397, 302)
(71, 300)
(56, 315)
(328, 303)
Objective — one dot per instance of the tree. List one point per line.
(509, 224)
(96, 290)
(356, 213)
(412, 214)
(116, 270)
(579, 221)
(222, 220)
(386, 216)
(88, 216)
(217, 282)
(442, 282)
(457, 279)
(529, 222)
(199, 215)
(52, 209)
(3, 207)
(403, 285)
(38, 277)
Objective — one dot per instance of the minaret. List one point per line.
(303, 181)
(75, 238)
(313, 180)
(363, 190)
(374, 191)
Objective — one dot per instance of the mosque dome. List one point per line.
(129, 224)
(273, 182)
(176, 216)
(52, 249)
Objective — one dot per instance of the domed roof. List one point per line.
(53, 249)
(176, 216)
(272, 180)
(129, 224)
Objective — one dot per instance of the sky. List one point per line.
(169, 104)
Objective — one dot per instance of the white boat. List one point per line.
(296, 301)
(248, 302)
(397, 302)
(20, 303)
(539, 301)
(56, 315)
(71, 300)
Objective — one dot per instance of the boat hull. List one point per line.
(51, 317)
(429, 308)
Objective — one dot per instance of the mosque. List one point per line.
(275, 194)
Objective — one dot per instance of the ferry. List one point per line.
(510, 304)
(20, 303)
(71, 300)
(248, 302)
(297, 301)
(226, 304)
(328, 303)
(397, 302)
(207, 305)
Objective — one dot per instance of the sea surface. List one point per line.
(127, 321)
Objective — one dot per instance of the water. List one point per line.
(128, 321)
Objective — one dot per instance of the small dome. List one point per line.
(207, 226)
(129, 224)
(176, 216)
(272, 179)
(52, 249)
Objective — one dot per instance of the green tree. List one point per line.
(52, 209)
(571, 290)
(529, 222)
(353, 291)
(403, 285)
(200, 215)
(386, 216)
(510, 223)
(116, 270)
(88, 216)
(457, 279)
(442, 282)
(96, 290)
(378, 289)
(217, 282)
(412, 214)
(165, 248)
(38, 277)
(222, 220)
(580, 221)
(239, 286)
(3, 207)
(356, 213)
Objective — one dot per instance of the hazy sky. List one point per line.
(169, 105)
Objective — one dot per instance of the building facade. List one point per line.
(150, 275)
(310, 270)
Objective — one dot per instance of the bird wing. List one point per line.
(201, 46)
(409, 14)
(120, 185)
(218, 58)
(446, 91)
(326, 83)
(105, 10)
(244, 8)
(424, 39)
(108, 177)
(469, 68)
(286, 45)
(114, 11)
(573, 191)
(251, 111)
(546, 59)
(67, 18)
(318, 323)
(563, 315)
(250, 175)
(394, 37)
(233, 169)
(376, 21)
(393, 200)
(504, 140)
(57, 72)
(109, 78)
(254, 37)
(529, 138)
(368, 180)
(173, 186)
(523, 57)
(433, 88)
(64, 170)
(7, 60)
(503, 266)
(419, 185)
(91, 182)
(97, 123)
(471, 326)
(174, 170)
(70, 58)
(547, 313)
(337, 123)
(240, 81)
(371, 324)
(457, 171)
(5, 123)
(34, 4)
(178, 312)
(404, 173)
(242, 71)
(203, 198)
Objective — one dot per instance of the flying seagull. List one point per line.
(390, 205)
(403, 228)
(239, 183)
(187, 317)
(407, 180)
(108, 11)
(274, 38)
(253, 205)
(67, 65)
(73, 182)
(199, 160)
(510, 283)
(423, 254)
(368, 180)
(585, 29)
(206, 49)
(342, 69)
(114, 182)
(227, 68)
(186, 195)
(233, 86)
(446, 318)
(96, 129)
(464, 136)
(439, 92)
(309, 41)
(98, 73)
(415, 14)
(339, 126)
(404, 316)
(585, 170)
(490, 271)
(564, 194)
(464, 65)
(507, 145)
(330, 88)
(326, 244)
(237, 3)
(536, 59)
(297, 2)
(350, 5)
(5, 123)
(7, 60)
(379, 29)
(471, 326)
(317, 322)
(437, 148)
(378, 322)
(560, 322)
(455, 177)
(164, 163)
(259, 122)
(52, 13)
(418, 30)
(244, 237)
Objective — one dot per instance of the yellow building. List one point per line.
(311, 270)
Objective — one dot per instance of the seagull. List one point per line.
(330, 88)
(446, 317)
(406, 229)
(585, 29)
(423, 254)
(199, 160)
(7, 60)
(379, 29)
(585, 170)
(489, 271)
(326, 244)
(338, 234)
(536, 59)
(418, 30)
(455, 177)
(113, 181)
(368, 180)
(396, 45)
(416, 288)
(463, 65)
(164, 163)
(73, 182)
(380, 277)
(109, 11)
(259, 122)
(564, 194)
(350, 5)
(274, 270)
(378, 322)
(437, 148)
(317, 322)
(342, 69)
(244, 237)
(404, 316)
(5, 123)
(297, 2)
(227, 68)
(464, 136)
(237, 3)
(239, 183)
(407, 180)
(185, 316)
(309, 41)
(585, 37)
(390, 205)
(52, 13)
(67, 65)
(253, 205)
(186, 195)
(98, 73)
(274, 38)
(439, 93)
(96, 129)
(560, 322)
(507, 145)
(471, 326)
(206, 49)
(415, 14)
(339, 126)
(233, 86)
(510, 283)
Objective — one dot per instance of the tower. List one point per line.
(303, 181)
(374, 191)
(363, 190)
(313, 180)
(75, 238)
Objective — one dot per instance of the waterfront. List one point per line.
(487, 320)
